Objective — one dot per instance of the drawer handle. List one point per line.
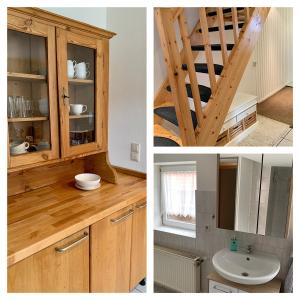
(142, 205)
(72, 244)
(221, 290)
(122, 217)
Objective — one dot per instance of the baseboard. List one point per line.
(131, 172)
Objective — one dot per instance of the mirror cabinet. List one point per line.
(255, 193)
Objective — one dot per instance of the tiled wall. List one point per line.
(210, 239)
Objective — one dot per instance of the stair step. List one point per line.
(164, 142)
(168, 113)
(214, 47)
(226, 27)
(205, 92)
(202, 68)
(225, 11)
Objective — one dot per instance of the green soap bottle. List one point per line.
(233, 244)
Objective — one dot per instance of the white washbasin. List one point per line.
(244, 268)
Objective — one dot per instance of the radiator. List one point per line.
(177, 270)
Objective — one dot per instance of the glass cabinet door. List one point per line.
(82, 102)
(31, 92)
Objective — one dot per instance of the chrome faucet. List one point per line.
(249, 249)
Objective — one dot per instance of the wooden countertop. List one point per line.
(42, 217)
(272, 286)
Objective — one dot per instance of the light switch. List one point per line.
(135, 152)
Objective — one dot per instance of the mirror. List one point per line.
(255, 193)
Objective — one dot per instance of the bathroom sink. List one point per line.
(244, 268)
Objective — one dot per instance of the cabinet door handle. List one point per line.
(72, 244)
(221, 290)
(142, 205)
(122, 217)
(65, 96)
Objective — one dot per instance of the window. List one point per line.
(178, 185)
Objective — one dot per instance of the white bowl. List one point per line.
(87, 179)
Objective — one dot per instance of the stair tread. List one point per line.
(226, 27)
(164, 142)
(168, 113)
(205, 92)
(225, 11)
(214, 47)
(202, 68)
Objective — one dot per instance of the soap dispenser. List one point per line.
(233, 244)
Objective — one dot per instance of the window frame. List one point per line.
(180, 166)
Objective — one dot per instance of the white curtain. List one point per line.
(178, 192)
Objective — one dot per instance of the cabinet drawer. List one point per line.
(216, 287)
(222, 139)
(250, 120)
(246, 113)
(228, 124)
(62, 267)
(235, 130)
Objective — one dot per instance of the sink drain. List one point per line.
(245, 274)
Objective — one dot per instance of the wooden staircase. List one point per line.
(201, 125)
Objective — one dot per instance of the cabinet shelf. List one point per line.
(80, 116)
(75, 81)
(31, 119)
(24, 76)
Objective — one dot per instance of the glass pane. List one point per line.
(81, 78)
(27, 90)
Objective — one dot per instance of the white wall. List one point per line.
(92, 15)
(272, 55)
(127, 93)
(127, 85)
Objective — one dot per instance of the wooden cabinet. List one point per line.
(111, 252)
(139, 244)
(41, 99)
(31, 91)
(62, 267)
(118, 250)
(83, 132)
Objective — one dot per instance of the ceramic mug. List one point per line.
(82, 70)
(71, 68)
(19, 148)
(43, 107)
(77, 109)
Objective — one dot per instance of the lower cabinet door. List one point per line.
(139, 244)
(62, 267)
(110, 252)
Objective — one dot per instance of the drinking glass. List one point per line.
(11, 107)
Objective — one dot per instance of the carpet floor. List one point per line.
(278, 107)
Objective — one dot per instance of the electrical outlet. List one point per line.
(135, 152)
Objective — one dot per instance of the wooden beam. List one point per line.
(235, 24)
(222, 35)
(165, 26)
(191, 67)
(207, 47)
(217, 110)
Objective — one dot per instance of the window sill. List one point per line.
(177, 231)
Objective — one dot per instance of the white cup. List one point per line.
(77, 109)
(43, 107)
(19, 148)
(71, 68)
(82, 70)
